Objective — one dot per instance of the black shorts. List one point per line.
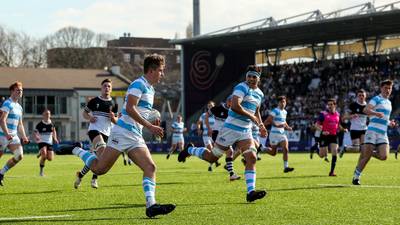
(317, 139)
(328, 139)
(42, 144)
(214, 135)
(356, 134)
(94, 133)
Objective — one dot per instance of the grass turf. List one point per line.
(305, 196)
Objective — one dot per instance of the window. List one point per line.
(30, 127)
(62, 103)
(84, 125)
(40, 104)
(137, 58)
(178, 59)
(28, 104)
(51, 100)
(127, 57)
(73, 129)
(82, 101)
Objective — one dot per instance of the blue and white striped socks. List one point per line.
(149, 188)
(250, 176)
(86, 156)
(4, 170)
(357, 173)
(197, 151)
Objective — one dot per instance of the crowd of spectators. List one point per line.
(307, 85)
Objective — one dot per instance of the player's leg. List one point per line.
(142, 158)
(285, 152)
(355, 143)
(172, 149)
(365, 155)
(98, 149)
(98, 164)
(229, 164)
(43, 157)
(323, 150)
(334, 150)
(250, 154)
(273, 141)
(382, 151)
(18, 153)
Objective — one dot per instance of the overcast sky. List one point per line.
(154, 18)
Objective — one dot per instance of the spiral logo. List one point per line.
(201, 75)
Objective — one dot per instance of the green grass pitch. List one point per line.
(305, 196)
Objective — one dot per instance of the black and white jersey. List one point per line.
(220, 114)
(100, 108)
(360, 122)
(46, 132)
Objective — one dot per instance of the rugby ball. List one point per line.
(154, 116)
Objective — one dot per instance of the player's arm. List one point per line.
(206, 121)
(269, 120)
(287, 127)
(198, 125)
(114, 114)
(87, 112)
(263, 130)
(113, 117)
(54, 134)
(369, 110)
(133, 112)
(21, 130)
(36, 135)
(3, 124)
(237, 108)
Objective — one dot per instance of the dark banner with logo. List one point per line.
(208, 72)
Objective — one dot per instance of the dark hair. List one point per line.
(331, 100)
(46, 109)
(253, 68)
(280, 98)
(106, 81)
(153, 61)
(15, 84)
(386, 82)
(361, 91)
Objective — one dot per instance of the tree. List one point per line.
(8, 47)
(189, 30)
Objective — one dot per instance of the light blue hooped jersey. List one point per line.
(279, 117)
(178, 129)
(211, 122)
(14, 110)
(143, 90)
(383, 105)
(251, 99)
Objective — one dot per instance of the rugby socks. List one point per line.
(86, 156)
(41, 167)
(197, 151)
(229, 166)
(357, 173)
(250, 176)
(333, 163)
(149, 188)
(285, 164)
(84, 171)
(5, 169)
(94, 177)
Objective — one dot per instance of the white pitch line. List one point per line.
(33, 217)
(358, 186)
